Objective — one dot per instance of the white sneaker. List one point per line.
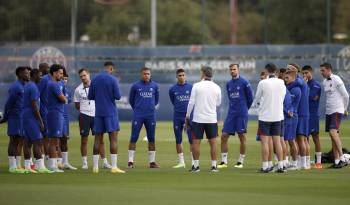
(85, 166)
(68, 166)
(56, 170)
(293, 168)
(106, 166)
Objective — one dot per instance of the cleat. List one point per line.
(268, 170)
(68, 166)
(180, 165)
(33, 167)
(341, 164)
(116, 170)
(44, 171)
(17, 171)
(85, 166)
(153, 165)
(56, 170)
(214, 169)
(292, 168)
(60, 166)
(30, 171)
(281, 170)
(130, 165)
(222, 165)
(239, 165)
(95, 170)
(317, 166)
(106, 166)
(194, 169)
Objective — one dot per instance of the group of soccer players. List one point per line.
(288, 108)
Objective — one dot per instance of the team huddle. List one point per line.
(286, 103)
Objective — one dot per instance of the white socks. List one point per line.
(224, 157)
(151, 156)
(318, 157)
(196, 163)
(52, 163)
(27, 164)
(95, 159)
(18, 161)
(213, 163)
(114, 158)
(64, 158)
(12, 162)
(84, 159)
(265, 165)
(303, 162)
(269, 164)
(241, 158)
(39, 163)
(181, 158)
(308, 161)
(131, 154)
(280, 164)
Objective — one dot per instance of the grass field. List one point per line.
(175, 186)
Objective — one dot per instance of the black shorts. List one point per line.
(269, 128)
(86, 123)
(198, 129)
(333, 121)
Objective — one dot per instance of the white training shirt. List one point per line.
(87, 106)
(337, 98)
(205, 97)
(270, 96)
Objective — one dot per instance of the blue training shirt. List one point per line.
(42, 86)
(143, 98)
(315, 90)
(104, 90)
(14, 104)
(240, 95)
(287, 104)
(179, 97)
(303, 109)
(31, 93)
(54, 89)
(295, 94)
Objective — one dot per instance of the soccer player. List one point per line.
(33, 124)
(13, 116)
(55, 109)
(303, 119)
(86, 110)
(292, 118)
(44, 69)
(104, 90)
(314, 102)
(65, 133)
(205, 98)
(270, 93)
(337, 101)
(179, 96)
(143, 98)
(240, 95)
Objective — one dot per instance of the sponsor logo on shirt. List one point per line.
(146, 94)
(234, 95)
(182, 98)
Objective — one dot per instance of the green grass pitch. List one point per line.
(175, 186)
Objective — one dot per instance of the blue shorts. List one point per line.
(333, 121)
(32, 129)
(314, 124)
(86, 123)
(235, 124)
(290, 127)
(269, 128)
(55, 124)
(303, 126)
(150, 125)
(15, 127)
(106, 124)
(66, 126)
(178, 126)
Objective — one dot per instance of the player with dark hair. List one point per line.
(143, 98)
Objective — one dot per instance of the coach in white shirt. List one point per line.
(337, 101)
(205, 98)
(270, 94)
(86, 110)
